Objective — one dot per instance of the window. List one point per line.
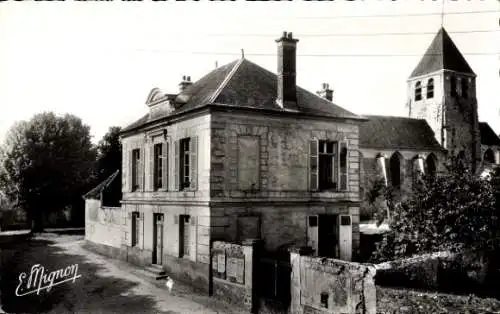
(465, 88)
(453, 86)
(186, 163)
(395, 166)
(430, 88)
(158, 166)
(328, 165)
(135, 228)
(248, 163)
(184, 236)
(136, 169)
(418, 91)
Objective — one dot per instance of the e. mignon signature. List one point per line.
(40, 279)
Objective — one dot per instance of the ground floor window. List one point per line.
(184, 235)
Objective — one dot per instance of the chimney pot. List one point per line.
(189, 78)
(290, 35)
(284, 34)
(185, 83)
(326, 92)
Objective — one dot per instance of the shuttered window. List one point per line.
(186, 161)
(136, 169)
(328, 165)
(158, 166)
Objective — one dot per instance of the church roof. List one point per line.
(244, 84)
(397, 133)
(488, 136)
(442, 54)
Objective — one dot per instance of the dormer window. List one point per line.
(418, 91)
(430, 88)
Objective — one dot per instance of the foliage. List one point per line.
(109, 154)
(454, 211)
(46, 164)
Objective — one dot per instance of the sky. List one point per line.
(100, 60)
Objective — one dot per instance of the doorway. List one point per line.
(158, 239)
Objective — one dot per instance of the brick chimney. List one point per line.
(287, 88)
(186, 82)
(326, 92)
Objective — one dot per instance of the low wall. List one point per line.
(328, 286)
(233, 267)
(103, 225)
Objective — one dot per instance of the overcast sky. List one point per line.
(99, 60)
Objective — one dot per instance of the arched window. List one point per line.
(453, 86)
(418, 91)
(431, 165)
(395, 167)
(489, 156)
(430, 88)
(465, 88)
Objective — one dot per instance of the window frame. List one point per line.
(418, 91)
(339, 178)
(430, 88)
(136, 170)
(158, 166)
(185, 164)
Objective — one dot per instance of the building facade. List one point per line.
(240, 154)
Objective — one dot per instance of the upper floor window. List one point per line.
(158, 166)
(430, 88)
(186, 163)
(418, 91)
(136, 169)
(465, 88)
(328, 165)
(453, 86)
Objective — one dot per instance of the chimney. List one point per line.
(186, 82)
(287, 88)
(326, 92)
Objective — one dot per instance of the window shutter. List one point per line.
(141, 165)
(177, 167)
(193, 220)
(131, 171)
(152, 172)
(176, 219)
(193, 163)
(343, 165)
(165, 166)
(313, 165)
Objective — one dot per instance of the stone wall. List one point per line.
(321, 285)
(103, 225)
(233, 267)
(279, 225)
(283, 151)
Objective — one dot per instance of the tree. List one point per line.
(47, 164)
(457, 211)
(109, 154)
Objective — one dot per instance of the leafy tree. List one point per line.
(109, 154)
(46, 165)
(456, 211)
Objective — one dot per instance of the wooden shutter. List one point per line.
(343, 165)
(165, 166)
(177, 166)
(152, 171)
(141, 165)
(132, 172)
(313, 165)
(193, 163)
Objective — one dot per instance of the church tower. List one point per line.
(442, 90)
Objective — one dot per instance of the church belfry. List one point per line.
(442, 90)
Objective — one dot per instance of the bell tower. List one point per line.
(442, 90)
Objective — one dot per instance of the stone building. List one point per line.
(240, 154)
(442, 121)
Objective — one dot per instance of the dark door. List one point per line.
(327, 236)
(158, 239)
